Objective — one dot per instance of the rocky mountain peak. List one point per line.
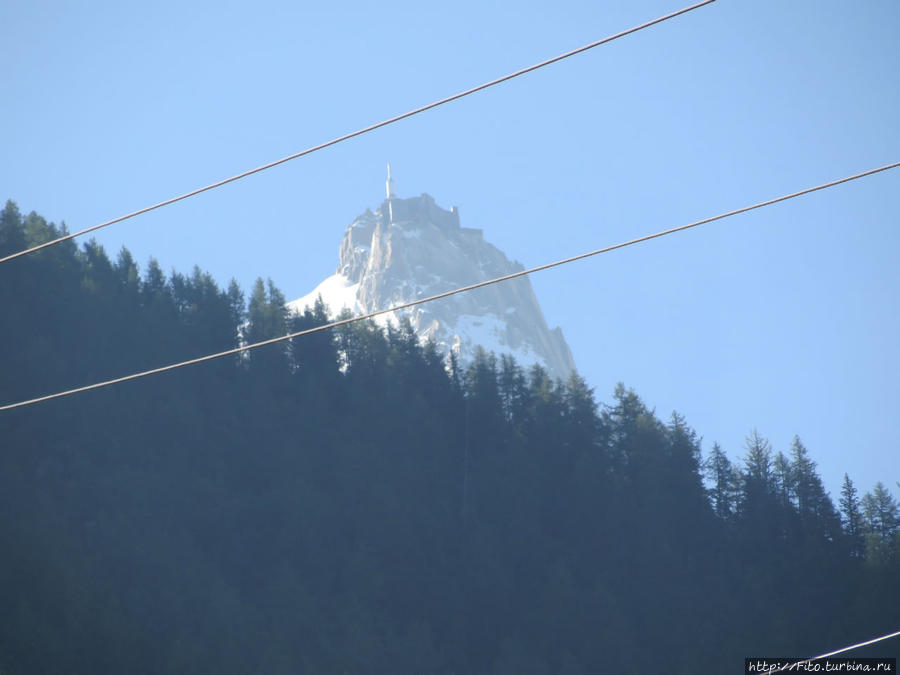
(412, 248)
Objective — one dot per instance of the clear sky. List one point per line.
(785, 320)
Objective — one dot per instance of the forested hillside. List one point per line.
(343, 504)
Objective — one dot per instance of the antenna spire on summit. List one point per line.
(389, 185)
(389, 190)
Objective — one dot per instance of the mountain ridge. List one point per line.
(412, 248)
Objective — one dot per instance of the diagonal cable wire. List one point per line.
(446, 294)
(796, 665)
(359, 132)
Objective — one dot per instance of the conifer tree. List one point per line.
(852, 517)
(513, 388)
(12, 238)
(758, 462)
(154, 288)
(805, 480)
(758, 506)
(783, 479)
(684, 450)
(880, 512)
(880, 519)
(127, 275)
(581, 414)
(236, 306)
(720, 472)
(757, 475)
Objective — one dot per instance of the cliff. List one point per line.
(412, 248)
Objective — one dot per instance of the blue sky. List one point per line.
(785, 319)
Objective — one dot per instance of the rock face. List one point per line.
(412, 248)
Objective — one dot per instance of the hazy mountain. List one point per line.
(412, 248)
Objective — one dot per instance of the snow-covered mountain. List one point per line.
(411, 248)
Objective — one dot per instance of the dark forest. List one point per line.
(346, 503)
